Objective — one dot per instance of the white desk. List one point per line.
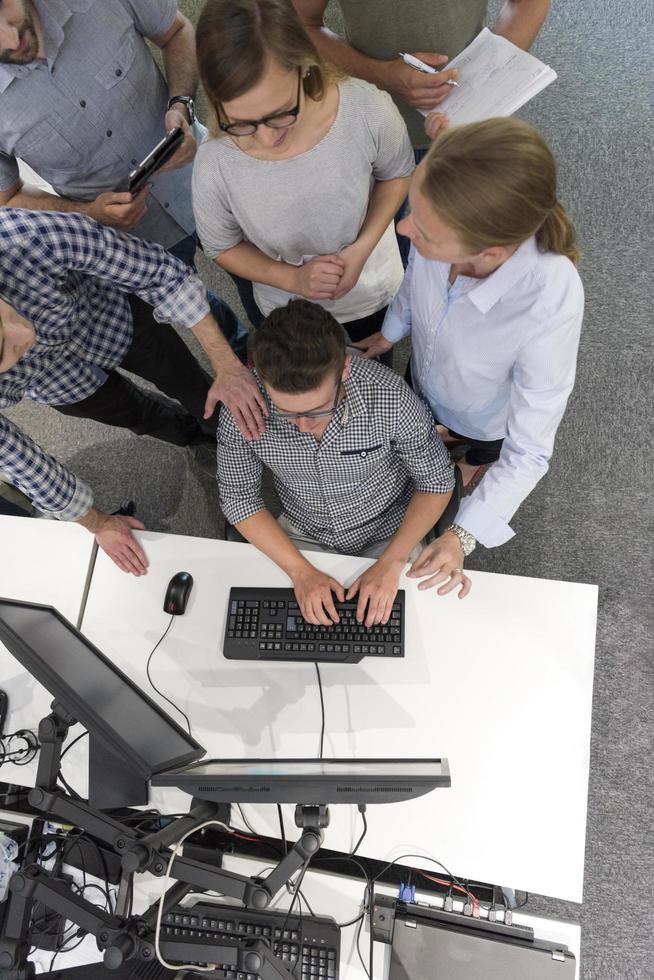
(500, 684)
(42, 561)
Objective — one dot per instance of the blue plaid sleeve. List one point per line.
(239, 472)
(50, 486)
(169, 285)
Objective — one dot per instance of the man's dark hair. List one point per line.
(297, 346)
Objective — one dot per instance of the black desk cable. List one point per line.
(18, 756)
(154, 686)
(322, 710)
(362, 811)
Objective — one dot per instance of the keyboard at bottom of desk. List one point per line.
(266, 624)
(309, 946)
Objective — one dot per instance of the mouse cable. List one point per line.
(362, 811)
(152, 683)
(322, 709)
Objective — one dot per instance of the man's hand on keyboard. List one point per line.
(376, 588)
(313, 591)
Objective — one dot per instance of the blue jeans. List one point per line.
(234, 331)
(402, 240)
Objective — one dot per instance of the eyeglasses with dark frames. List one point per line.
(323, 413)
(278, 120)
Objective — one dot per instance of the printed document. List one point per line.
(495, 79)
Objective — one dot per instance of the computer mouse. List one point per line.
(177, 593)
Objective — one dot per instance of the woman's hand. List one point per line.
(320, 277)
(373, 346)
(435, 123)
(354, 257)
(442, 560)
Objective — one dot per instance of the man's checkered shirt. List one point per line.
(69, 276)
(351, 488)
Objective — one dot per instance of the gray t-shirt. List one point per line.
(383, 28)
(310, 204)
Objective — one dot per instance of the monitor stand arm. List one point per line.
(121, 939)
(124, 840)
(150, 852)
(125, 938)
(258, 893)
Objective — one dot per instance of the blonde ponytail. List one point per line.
(494, 183)
(557, 234)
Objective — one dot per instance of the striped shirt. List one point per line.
(311, 204)
(351, 488)
(495, 358)
(69, 276)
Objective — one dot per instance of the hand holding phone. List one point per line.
(119, 209)
(155, 159)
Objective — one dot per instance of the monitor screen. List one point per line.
(274, 768)
(85, 682)
(309, 780)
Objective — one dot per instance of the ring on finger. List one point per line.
(459, 570)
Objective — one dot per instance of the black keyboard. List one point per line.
(310, 946)
(266, 624)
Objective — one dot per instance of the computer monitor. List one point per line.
(125, 726)
(319, 781)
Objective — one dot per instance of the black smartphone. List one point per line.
(156, 158)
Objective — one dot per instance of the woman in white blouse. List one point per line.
(297, 185)
(493, 303)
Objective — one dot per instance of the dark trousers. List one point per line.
(159, 355)
(480, 452)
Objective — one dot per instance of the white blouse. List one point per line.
(495, 358)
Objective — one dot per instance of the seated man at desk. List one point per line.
(67, 323)
(357, 461)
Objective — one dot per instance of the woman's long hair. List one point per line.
(494, 182)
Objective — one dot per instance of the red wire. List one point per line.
(440, 881)
(235, 833)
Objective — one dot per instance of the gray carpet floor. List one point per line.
(590, 520)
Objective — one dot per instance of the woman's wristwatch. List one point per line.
(468, 542)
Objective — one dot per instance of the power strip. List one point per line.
(385, 908)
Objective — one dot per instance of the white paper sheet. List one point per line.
(495, 79)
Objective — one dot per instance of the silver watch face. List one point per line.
(468, 541)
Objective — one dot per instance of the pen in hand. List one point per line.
(419, 65)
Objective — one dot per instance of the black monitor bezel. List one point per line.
(188, 781)
(79, 709)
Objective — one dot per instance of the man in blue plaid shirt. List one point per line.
(66, 324)
(357, 462)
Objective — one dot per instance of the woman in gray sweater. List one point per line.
(297, 184)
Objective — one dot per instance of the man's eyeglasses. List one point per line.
(323, 413)
(279, 120)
